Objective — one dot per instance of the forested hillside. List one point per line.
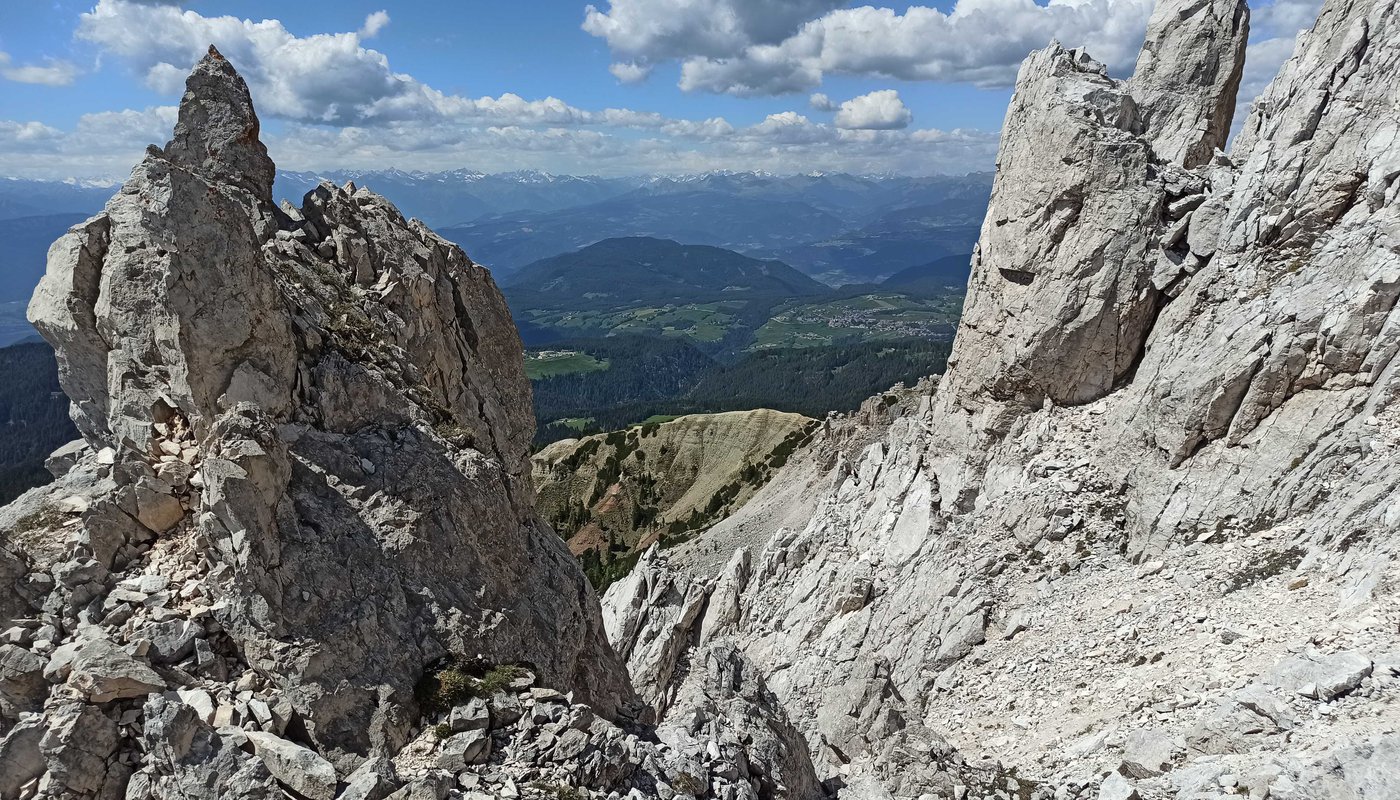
(659, 378)
(33, 417)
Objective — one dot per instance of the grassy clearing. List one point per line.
(865, 318)
(550, 363)
(700, 322)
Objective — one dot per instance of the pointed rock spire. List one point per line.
(217, 132)
(1187, 76)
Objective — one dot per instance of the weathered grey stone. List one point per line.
(22, 683)
(174, 640)
(649, 619)
(103, 673)
(21, 760)
(1160, 346)
(505, 709)
(431, 787)
(217, 132)
(1323, 677)
(1237, 723)
(375, 779)
(13, 570)
(300, 769)
(64, 458)
(1060, 301)
(472, 716)
(1182, 348)
(159, 511)
(1147, 753)
(1367, 769)
(277, 379)
(188, 760)
(77, 743)
(1186, 78)
(463, 749)
(1116, 787)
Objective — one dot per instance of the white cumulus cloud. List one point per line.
(374, 23)
(628, 72)
(336, 102)
(52, 72)
(328, 78)
(649, 31)
(1273, 32)
(752, 48)
(877, 111)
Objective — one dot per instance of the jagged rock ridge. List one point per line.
(1151, 510)
(298, 532)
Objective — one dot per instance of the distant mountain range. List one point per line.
(20, 197)
(936, 276)
(450, 198)
(507, 242)
(713, 296)
(839, 229)
(640, 270)
(835, 227)
(721, 301)
(24, 247)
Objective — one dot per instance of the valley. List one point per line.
(620, 325)
(877, 316)
(669, 377)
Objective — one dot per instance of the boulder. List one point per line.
(22, 683)
(21, 760)
(1116, 787)
(463, 749)
(472, 716)
(297, 767)
(375, 779)
(102, 672)
(1321, 676)
(77, 744)
(173, 640)
(1147, 753)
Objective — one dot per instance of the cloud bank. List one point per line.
(333, 101)
(747, 49)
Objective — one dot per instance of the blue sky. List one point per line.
(621, 87)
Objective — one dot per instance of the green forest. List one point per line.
(34, 413)
(651, 377)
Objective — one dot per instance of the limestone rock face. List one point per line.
(1187, 75)
(1149, 520)
(1060, 299)
(306, 483)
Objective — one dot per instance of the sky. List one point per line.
(620, 87)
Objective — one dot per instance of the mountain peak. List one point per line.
(262, 361)
(217, 135)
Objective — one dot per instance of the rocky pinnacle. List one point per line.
(216, 135)
(304, 474)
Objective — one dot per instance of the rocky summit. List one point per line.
(295, 552)
(1142, 540)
